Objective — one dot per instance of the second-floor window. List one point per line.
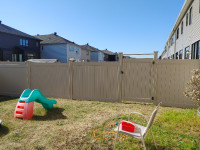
(190, 16)
(177, 33)
(87, 52)
(77, 50)
(182, 27)
(23, 42)
(71, 48)
(187, 52)
(187, 19)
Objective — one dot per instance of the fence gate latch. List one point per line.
(153, 62)
(152, 98)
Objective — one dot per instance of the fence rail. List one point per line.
(141, 80)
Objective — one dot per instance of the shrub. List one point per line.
(193, 89)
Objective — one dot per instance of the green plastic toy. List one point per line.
(35, 95)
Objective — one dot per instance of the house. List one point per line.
(16, 45)
(184, 39)
(86, 52)
(90, 53)
(54, 46)
(110, 56)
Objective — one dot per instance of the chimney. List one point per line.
(0, 21)
(55, 33)
(37, 34)
(87, 44)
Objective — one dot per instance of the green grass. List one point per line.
(70, 125)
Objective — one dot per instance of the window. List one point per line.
(87, 52)
(26, 42)
(195, 50)
(42, 47)
(187, 19)
(180, 54)
(187, 52)
(174, 38)
(37, 44)
(176, 55)
(182, 27)
(20, 57)
(190, 17)
(71, 48)
(177, 33)
(77, 50)
(21, 42)
(14, 57)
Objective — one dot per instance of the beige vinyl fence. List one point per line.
(172, 79)
(140, 80)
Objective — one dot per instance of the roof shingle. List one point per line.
(53, 39)
(9, 30)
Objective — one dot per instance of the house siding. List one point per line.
(8, 43)
(57, 51)
(73, 54)
(191, 33)
(85, 57)
(100, 56)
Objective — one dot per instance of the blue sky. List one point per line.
(128, 26)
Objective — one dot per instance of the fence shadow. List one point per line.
(3, 130)
(53, 114)
(6, 98)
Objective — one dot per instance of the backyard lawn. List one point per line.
(71, 123)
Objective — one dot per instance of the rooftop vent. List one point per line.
(37, 34)
(55, 33)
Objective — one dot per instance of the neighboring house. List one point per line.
(90, 53)
(97, 56)
(86, 53)
(110, 56)
(16, 45)
(184, 39)
(54, 46)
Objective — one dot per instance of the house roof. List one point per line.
(8, 30)
(107, 52)
(90, 48)
(53, 39)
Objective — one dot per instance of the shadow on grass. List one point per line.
(3, 130)
(53, 114)
(151, 146)
(6, 98)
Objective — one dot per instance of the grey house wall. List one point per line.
(94, 56)
(8, 42)
(56, 51)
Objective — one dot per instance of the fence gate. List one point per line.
(138, 80)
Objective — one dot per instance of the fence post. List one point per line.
(155, 76)
(71, 78)
(29, 75)
(155, 55)
(120, 77)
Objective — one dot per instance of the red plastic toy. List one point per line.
(24, 110)
(128, 127)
